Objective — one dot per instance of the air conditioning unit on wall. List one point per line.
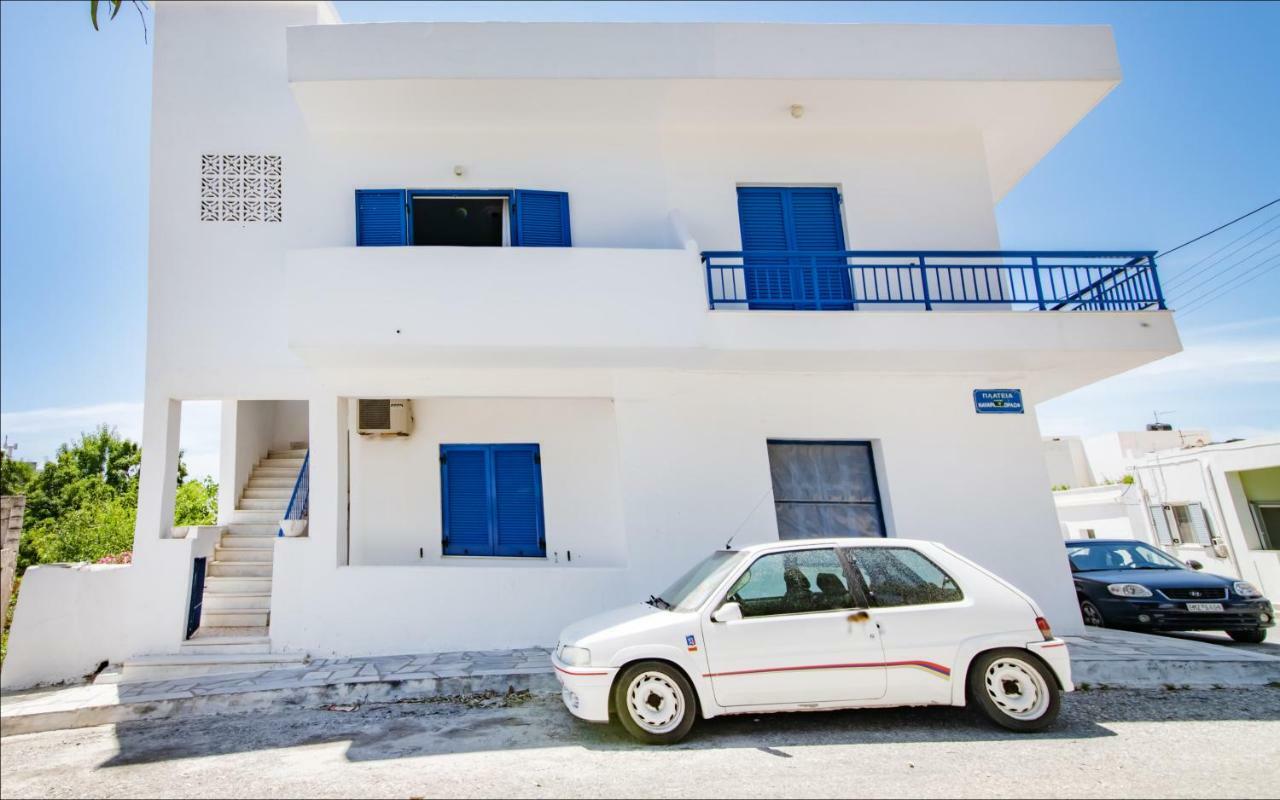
(379, 417)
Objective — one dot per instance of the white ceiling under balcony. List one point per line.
(1024, 87)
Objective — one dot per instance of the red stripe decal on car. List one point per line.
(929, 666)
(577, 674)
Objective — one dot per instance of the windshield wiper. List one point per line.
(657, 602)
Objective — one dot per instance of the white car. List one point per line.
(817, 624)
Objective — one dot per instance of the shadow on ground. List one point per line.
(408, 730)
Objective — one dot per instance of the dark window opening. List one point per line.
(823, 489)
(457, 221)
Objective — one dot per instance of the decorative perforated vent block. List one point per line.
(241, 188)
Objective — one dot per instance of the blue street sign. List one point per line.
(997, 401)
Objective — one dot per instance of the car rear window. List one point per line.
(900, 576)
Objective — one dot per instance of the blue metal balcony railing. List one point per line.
(1048, 280)
(299, 501)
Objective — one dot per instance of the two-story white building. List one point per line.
(633, 290)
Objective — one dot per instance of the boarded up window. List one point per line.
(825, 489)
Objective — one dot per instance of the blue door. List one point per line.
(794, 220)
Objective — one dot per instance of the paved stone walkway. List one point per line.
(1099, 658)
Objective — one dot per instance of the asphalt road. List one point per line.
(1223, 743)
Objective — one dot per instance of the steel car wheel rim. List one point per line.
(1017, 688)
(1091, 615)
(655, 703)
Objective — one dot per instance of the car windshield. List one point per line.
(693, 587)
(1096, 557)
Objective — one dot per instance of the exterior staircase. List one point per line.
(236, 614)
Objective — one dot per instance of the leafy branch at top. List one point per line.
(139, 5)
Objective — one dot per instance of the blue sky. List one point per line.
(1187, 141)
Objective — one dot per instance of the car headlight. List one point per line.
(1129, 590)
(1246, 589)
(575, 656)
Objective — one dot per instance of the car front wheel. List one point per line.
(655, 702)
(1091, 614)
(1249, 637)
(1014, 689)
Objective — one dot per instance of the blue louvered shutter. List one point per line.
(762, 218)
(815, 226)
(381, 217)
(466, 487)
(517, 493)
(542, 219)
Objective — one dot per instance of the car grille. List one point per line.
(1195, 595)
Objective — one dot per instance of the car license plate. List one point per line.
(1204, 606)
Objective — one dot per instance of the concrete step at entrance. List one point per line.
(233, 618)
(290, 454)
(234, 585)
(227, 641)
(256, 516)
(267, 529)
(221, 569)
(243, 555)
(261, 504)
(236, 601)
(268, 492)
(264, 542)
(183, 665)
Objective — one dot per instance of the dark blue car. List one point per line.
(1129, 584)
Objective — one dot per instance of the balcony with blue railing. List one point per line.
(1086, 280)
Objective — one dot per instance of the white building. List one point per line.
(1216, 503)
(632, 404)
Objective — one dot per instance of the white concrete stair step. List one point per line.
(236, 585)
(294, 464)
(184, 665)
(262, 542)
(287, 473)
(228, 640)
(256, 516)
(237, 601)
(287, 454)
(268, 492)
(232, 618)
(271, 482)
(220, 569)
(252, 529)
(263, 504)
(243, 555)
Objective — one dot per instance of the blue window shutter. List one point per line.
(796, 220)
(762, 218)
(517, 482)
(541, 219)
(466, 488)
(381, 217)
(815, 223)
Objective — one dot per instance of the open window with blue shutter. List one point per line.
(783, 223)
(492, 500)
(462, 218)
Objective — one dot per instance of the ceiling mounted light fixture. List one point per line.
(797, 110)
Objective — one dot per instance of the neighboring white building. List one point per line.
(595, 405)
(1216, 503)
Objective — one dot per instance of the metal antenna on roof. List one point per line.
(767, 492)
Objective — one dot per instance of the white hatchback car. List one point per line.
(817, 624)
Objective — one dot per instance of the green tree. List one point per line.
(14, 475)
(196, 503)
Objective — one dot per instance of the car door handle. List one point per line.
(859, 616)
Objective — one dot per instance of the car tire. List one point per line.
(1092, 615)
(1249, 637)
(1014, 689)
(655, 702)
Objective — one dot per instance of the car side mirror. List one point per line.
(729, 612)
(1195, 564)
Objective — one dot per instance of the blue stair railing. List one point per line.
(299, 501)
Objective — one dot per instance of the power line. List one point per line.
(1240, 280)
(1220, 227)
(1186, 290)
(1186, 272)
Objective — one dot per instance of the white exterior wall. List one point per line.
(1067, 462)
(606, 351)
(1111, 456)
